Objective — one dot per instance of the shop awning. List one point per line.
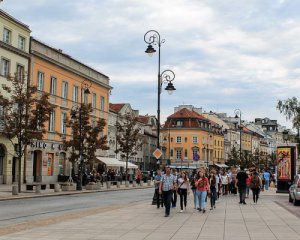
(113, 162)
(110, 162)
(130, 165)
(221, 165)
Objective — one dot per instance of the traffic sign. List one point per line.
(157, 153)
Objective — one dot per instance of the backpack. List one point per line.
(254, 182)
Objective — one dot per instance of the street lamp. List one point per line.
(238, 114)
(152, 37)
(85, 85)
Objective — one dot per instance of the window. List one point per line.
(84, 96)
(195, 139)
(171, 153)
(53, 86)
(185, 139)
(178, 139)
(5, 65)
(21, 43)
(40, 81)
(63, 123)
(6, 35)
(64, 90)
(102, 103)
(178, 154)
(94, 98)
(75, 94)
(20, 71)
(52, 122)
(179, 123)
(186, 153)
(171, 139)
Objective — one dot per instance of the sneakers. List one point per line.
(166, 215)
(181, 211)
(244, 203)
(204, 210)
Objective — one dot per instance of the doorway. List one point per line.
(37, 166)
(2, 156)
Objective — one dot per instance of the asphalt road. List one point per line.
(25, 210)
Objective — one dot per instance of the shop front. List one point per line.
(45, 161)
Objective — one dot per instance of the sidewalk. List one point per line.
(229, 221)
(6, 191)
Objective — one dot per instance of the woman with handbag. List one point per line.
(183, 189)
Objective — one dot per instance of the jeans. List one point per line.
(242, 192)
(255, 192)
(247, 190)
(201, 195)
(167, 196)
(196, 202)
(213, 196)
(158, 198)
(183, 198)
(267, 184)
(174, 198)
(224, 189)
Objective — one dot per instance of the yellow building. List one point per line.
(246, 139)
(14, 56)
(188, 139)
(219, 146)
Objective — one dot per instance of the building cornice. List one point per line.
(15, 50)
(14, 20)
(58, 58)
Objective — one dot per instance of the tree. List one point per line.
(291, 109)
(24, 115)
(128, 138)
(233, 159)
(86, 136)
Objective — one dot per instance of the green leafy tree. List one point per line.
(233, 159)
(291, 109)
(24, 114)
(86, 135)
(128, 138)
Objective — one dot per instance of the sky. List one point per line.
(226, 55)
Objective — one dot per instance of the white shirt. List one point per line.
(224, 179)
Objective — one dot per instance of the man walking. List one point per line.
(166, 187)
(241, 179)
(266, 176)
(157, 180)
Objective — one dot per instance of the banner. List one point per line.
(284, 163)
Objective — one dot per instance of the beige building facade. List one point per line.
(14, 58)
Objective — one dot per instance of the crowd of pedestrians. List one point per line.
(207, 184)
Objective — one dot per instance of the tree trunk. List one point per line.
(25, 164)
(126, 167)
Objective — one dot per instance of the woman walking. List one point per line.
(213, 189)
(193, 187)
(183, 188)
(202, 185)
(255, 185)
(225, 181)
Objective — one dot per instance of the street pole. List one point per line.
(239, 112)
(167, 76)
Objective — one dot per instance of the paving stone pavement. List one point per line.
(229, 221)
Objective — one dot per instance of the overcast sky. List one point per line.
(225, 54)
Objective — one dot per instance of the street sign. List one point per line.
(157, 153)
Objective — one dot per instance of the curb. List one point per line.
(71, 193)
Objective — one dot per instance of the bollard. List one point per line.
(108, 184)
(56, 187)
(118, 185)
(149, 182)
(127, 184)
(15, 190)
(38, 189)
(134, 184)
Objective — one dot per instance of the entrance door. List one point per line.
(37, 166)
(2, 156)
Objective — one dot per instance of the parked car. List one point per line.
(294, 191)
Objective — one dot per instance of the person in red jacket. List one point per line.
(202, 187)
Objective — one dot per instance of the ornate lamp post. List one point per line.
(238, 114)
(152, 37)
(76, 111)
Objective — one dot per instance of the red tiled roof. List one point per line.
(116, 107)
(185, 113)
(143, 119)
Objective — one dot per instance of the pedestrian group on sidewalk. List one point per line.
(206, 184)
